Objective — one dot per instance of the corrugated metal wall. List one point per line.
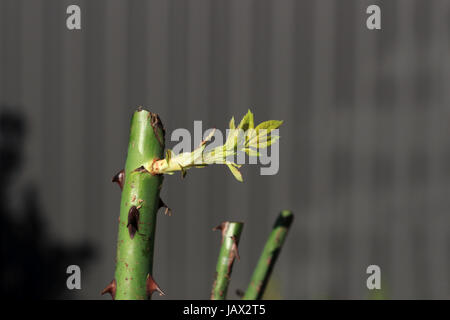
(364, 150)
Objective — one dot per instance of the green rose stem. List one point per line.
(139, 205)
(231, 232)
(269, 256)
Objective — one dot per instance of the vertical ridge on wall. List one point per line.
(322, 134)
(437, 246)
(72, 121)
(96, 179)
(239, 100)
(260, 96)
(198, 225)
(281, 60)
(117, 118)
(177, 112)
(298, 125)
(362, 224)
(31, 74)
(402, 258)
(51, 100)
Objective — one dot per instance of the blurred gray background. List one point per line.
(364, 151)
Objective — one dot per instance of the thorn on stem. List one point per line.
(234, 248)
(119, 178)
(111, 289)
(151, 286)
(223, 228)
(133, 221)
(220, 227)
(156, 124)
(163, 205)
(141, 169)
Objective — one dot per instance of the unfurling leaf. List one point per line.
(247, 122)
(262, 142)
(236, 173)
(232, 125)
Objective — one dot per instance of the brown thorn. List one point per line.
(119, 178)
(111, 289)
(163, 205)
(219, 227)
(141, 169)
(156, 123)
(234, 248)
(151, 286)
(222, 227)
(133, 221)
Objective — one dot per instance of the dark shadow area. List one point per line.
(32, 265)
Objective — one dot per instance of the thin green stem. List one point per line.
(231, 232)
(269, 256)
(139, 205)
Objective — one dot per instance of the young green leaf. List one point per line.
(269, 125)
(247, 122)
(236, 173)
(232, 125)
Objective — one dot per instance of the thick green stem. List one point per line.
(231, 232)
(269, 256)
(139, 205)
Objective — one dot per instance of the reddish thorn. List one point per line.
(234, 248)
(111, 289)
(151, 286)
(222, 227)
(156, 123)
(133, 221)
(119, 178)
(141, 169)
